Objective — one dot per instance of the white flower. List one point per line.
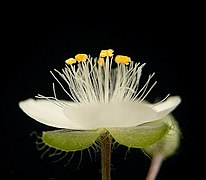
(102, 96)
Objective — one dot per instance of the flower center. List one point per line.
(94, 80)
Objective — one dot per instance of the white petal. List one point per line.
(48, 113)
(167, 106)
(111, 115)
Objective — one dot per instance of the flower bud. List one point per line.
(169, 143)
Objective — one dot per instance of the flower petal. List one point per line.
(125, 114)
(167, 106)
(48, 113)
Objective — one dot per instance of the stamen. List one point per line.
(161, 100)
(122, 59)
(105, 53)
(101, 61)
(142, 98)
(63, 104)
(144, 89)
(62, 85)
(95, 81)
(53, 100)
(81, 57)
(70, 61)
(107, 80)
(54, 91)
(39, 96)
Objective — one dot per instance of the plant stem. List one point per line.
(106, 141)
(154, 167)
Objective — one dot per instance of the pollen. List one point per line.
(105, 53)
(81, 57)
(122, 59)
(70, 61)
(101, 61)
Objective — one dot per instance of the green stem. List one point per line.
(106, 141)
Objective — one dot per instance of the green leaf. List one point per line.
(140, 136)
(67, 140)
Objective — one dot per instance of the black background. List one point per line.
(37, 41)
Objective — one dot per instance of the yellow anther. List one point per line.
(70, 61)
(101, 61)
(122, 59)
(105, 53)
(81, 57)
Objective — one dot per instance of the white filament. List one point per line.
(88, 83)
